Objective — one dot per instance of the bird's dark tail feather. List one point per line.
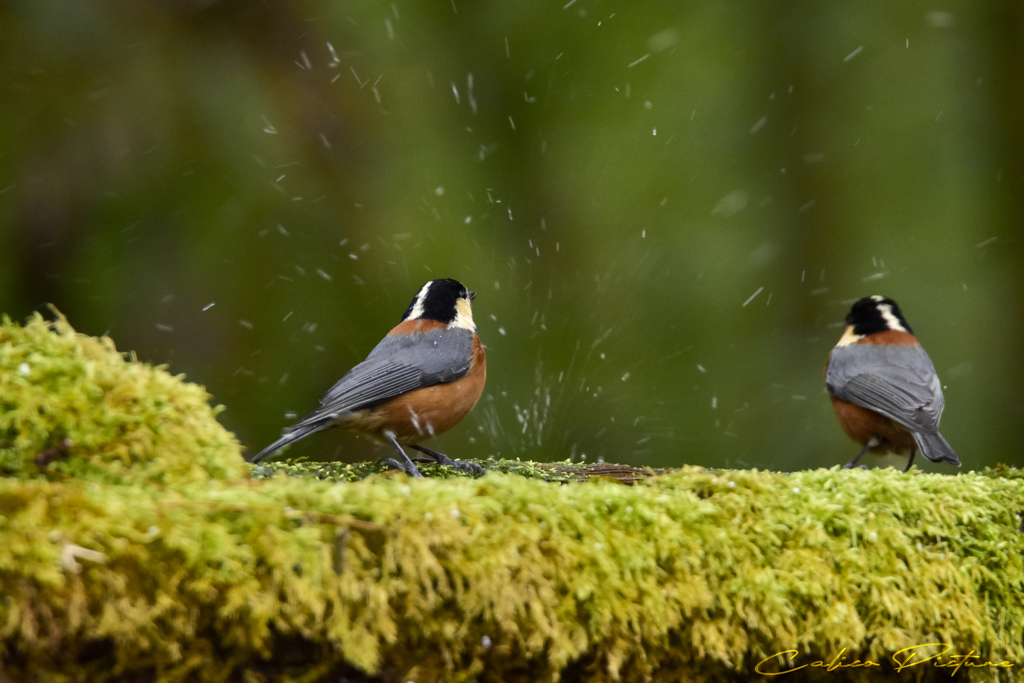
(288, 438)
(935, 448)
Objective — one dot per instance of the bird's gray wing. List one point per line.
(897, 381)
(397, 365)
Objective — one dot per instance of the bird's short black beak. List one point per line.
(472, 295)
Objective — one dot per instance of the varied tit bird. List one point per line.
(883, 386)
(419, 381)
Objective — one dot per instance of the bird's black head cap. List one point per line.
(437, 300)
(876, 314)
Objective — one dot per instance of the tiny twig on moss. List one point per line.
(44, 458)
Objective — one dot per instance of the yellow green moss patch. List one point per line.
(123, 420)
(695, 575)
(145, 553)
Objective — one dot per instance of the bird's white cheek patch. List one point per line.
(849, 337)
(463, 316)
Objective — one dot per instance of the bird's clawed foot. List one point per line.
(868, 446)
(410, 469)
(405, 464)
(460, 465)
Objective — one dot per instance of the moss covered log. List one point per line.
(62, 391)
(155, 556)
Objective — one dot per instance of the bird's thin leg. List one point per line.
(913, 452)
(443, 459)
(406, 465)
(868, 446)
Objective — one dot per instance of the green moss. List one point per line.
(559, 472)
(347, 472)
(687, 575)
(124, 420)
(530, 575)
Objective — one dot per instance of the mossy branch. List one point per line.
(155, 554)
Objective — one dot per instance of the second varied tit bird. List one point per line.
(883, 386)
(419, 381)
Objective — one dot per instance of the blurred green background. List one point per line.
(667, 208)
